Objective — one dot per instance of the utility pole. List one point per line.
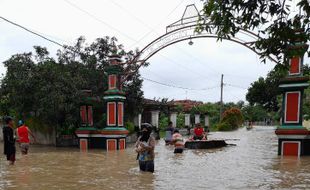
(221, 101)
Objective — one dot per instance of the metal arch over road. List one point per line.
(186, 29)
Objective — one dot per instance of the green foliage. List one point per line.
(228, 17)
(223, 126)
(232, 119)
(163, 122)
(264, 92)
(134, 96)
(130, 127)
(179, 108)
(254, 113)
(306, 100)
(180, 120)
(48, 89)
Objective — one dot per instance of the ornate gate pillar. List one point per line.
(293, 138)
(113, 135)
(86, 117)
(115, 132)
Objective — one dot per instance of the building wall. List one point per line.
(45, 138)
(306, 123)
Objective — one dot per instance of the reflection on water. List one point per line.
(252, 164)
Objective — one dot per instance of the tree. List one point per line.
(254, 113)
(232, 119)
(134, 95)
(264, 92)
(17, 82)
(306, 102)
(48, 89)
(272, 20)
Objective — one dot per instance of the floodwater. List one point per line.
(252, 164)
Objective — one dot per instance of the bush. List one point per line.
(130, 127)
(180, 120)
(232, 119)
(224, 126)
(163, 122)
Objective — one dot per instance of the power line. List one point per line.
(66, 47)
(37, 34)
(236, 86)
(175, 86)
(231, 94)
(99, 20)
(152, 29)
(63, 46)
(185, 67)
(30, 31)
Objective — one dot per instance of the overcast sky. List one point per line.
(136, 23)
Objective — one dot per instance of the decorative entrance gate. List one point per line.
(294, 139)
(186, 29)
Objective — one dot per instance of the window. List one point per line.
(120, 113)
(111, 113)
(112, 81)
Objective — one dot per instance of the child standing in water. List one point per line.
(178, 141)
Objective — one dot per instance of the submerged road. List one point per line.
(252, 164)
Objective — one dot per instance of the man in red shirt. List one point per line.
(23, 137)
(199, 133)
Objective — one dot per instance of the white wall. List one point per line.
(306, 123)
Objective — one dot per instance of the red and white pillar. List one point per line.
(115, 133)
(293, 137)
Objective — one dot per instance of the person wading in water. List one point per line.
(178, 141)
(9, 140)
(145, 148)
(23, 133)
(169, 133)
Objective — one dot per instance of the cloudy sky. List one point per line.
(136, 23)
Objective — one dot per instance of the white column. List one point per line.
(187, 119)
(137, 120)
(173, 118)
(197, 118)
(155, 117)
(207, 124)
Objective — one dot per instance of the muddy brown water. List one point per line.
(252, 164)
